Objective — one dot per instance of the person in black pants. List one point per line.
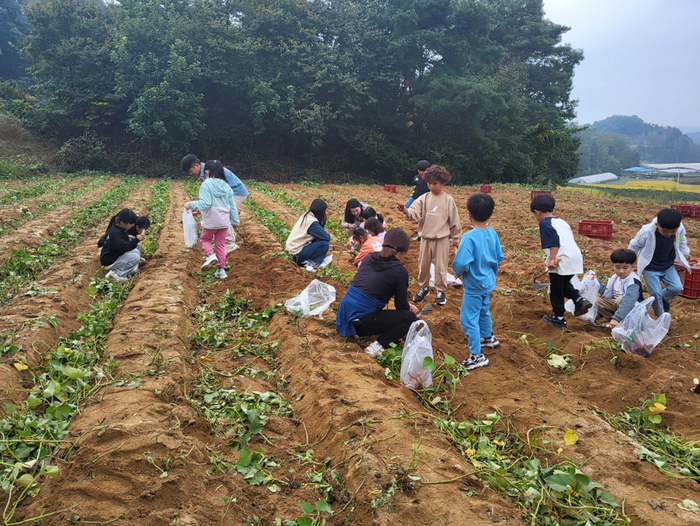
(381, 277)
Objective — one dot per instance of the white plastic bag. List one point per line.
(451, 280)
(638, 332)
(588, 288)
(312, 301)
(189, 227)
(418, 346)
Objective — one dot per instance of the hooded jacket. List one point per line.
(376, 282)
(644, 244)
(216, 204)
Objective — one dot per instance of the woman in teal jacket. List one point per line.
(219, 212)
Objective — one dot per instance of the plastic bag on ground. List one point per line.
(451, 280)
(588, 288)
(312, 301)
(639, 333)
(189, 227)
(418, 346)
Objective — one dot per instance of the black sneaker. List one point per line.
(582, 307)
(491, 342)
(440, 298)
(422, 293)
(559, 323)
(474, 361)
(666, 304)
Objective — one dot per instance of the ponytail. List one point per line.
(395, 241)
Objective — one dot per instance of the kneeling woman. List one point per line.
(381, 277)
(308, 241)
(120, 253)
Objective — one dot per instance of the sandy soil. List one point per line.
(344, 407)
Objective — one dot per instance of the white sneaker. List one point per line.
(116, 277)
(326, 261)
(220, 273)
(309, 266)
(374, 349)
(211, 259)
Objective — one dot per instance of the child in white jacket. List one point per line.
(219, 212)
(658, 245)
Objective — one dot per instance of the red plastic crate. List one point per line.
(694, 212)
(691, 282)
(486, 188)
(683, 208)
(596, 229)
(387, 188)
(533, 193)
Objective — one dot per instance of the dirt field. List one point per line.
(191, 360)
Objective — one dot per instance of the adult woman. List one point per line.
(308, 242)
(381, 277)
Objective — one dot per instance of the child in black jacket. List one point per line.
(120, 253)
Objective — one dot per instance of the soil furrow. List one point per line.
(13, 210)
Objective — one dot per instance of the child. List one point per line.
(375, 227)
(219, 212)
(624, 288)
(438, 220)
(308, 242)
(476, 262)
(368, 244)
(120, 254)
(140, 226)
(370, 213)
(657, 246)
(421, 186)
(564, 259)
(194, 167)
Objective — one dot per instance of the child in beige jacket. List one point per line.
(438, 222)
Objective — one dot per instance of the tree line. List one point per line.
(621, 141)
(340, 86)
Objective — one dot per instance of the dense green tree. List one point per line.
(69, 51)
(13, 24)
(605, 152)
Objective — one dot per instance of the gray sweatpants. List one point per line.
(127, 264)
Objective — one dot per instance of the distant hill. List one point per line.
(653, 143)
(695, 136)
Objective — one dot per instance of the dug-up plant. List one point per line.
(673, 455)
(559, 494)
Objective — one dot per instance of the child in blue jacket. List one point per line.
(476, 262)
(219, 212)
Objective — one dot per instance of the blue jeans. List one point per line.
(475, 319)
(670, 279)
(314, 252)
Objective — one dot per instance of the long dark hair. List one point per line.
(215, 169)
(352, 203)
(318, 209)
(373, 226)
(395, 241)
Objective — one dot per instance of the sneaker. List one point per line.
(220, 273)
(666, 304)
(474, 361)
(374, 349)
(582, 306)
(440, 298)
(211, 259)
(116, 277)
(326, 261)
(309, 266)
(559, 323)
(491, 342)
(422, 293)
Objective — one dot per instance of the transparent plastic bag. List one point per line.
(639, 333)
(189, 227)
(418, 347)
(450, 279)
(312, 301)
(588, 287)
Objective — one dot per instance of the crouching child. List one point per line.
(623, 290)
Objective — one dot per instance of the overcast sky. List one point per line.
(641, 57)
